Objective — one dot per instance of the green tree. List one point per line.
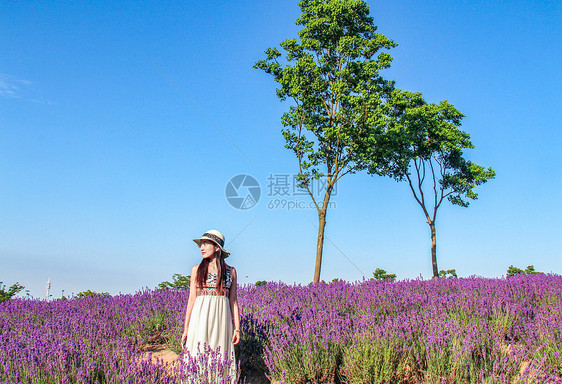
(530, 270)
(89, 293)
(422, 142)
(512, 271)
(331, 75)
(380, 274)
(179, 281)
(448, 273)
(12, 291)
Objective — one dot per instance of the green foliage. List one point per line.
(154, 326)
(12, 291)
(502, 324)
(512, 271)
(530, 270)
(179, 281)
(551, 352)
(89, 293)
(422, 142)
(423, 139)
(261, 283)
(155, 329)
(310, 361)
(373, 360)
(173, 341)
(448, 273)
(250, 350)
(380, 274)
(331, 75)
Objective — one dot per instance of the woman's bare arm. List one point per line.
(190, 303)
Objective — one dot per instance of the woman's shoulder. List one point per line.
(194, 270)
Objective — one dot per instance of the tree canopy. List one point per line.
(423, 141)
(380, 274)
(179, 281)
(331, 75)
(11, 292)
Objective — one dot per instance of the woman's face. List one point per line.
(208, 248)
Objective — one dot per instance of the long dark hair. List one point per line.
(203, 269)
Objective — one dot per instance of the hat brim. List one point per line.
(224, 252)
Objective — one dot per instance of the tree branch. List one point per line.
(423, 173)
(435, 205)
(416, 196)
(332, 118)
(299, 156)
(420, 181)
(442, 173)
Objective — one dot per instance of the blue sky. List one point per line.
(114, 119)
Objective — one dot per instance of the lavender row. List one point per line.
(446, 330)
(471, 330)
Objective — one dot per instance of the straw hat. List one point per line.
(216, 237)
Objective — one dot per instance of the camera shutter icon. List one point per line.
(243, 191)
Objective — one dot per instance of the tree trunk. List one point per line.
(433, 249)
(321, 225)
(320, 243)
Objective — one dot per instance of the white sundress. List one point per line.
(211, 322)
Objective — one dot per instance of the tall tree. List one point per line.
(12, 291)
(179, 281)
(423, 142)
(331, 73)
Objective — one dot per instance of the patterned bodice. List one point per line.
(211, 283)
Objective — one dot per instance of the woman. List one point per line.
(213, 302)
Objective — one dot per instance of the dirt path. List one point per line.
(159, 351)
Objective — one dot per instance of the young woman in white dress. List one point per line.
(213, 303)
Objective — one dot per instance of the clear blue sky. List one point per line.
(107, 172)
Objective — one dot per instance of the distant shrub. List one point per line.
(512, 271)
(88, 293)
(261, 283)
(448, 273)
(12, 291)
(380, 274)
(179, 281)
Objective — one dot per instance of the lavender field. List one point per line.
(470, 330)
